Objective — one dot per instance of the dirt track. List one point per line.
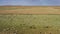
(30, 10)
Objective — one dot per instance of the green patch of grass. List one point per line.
(27, 23)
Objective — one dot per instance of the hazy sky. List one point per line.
(30, 2)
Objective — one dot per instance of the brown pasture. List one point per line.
(30, 10)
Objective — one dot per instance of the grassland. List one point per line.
(30, 24)
(30, 10)
(29, 20)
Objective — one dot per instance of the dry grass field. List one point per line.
(30, 10)
(29, 20)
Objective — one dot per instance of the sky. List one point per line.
(30, 2)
